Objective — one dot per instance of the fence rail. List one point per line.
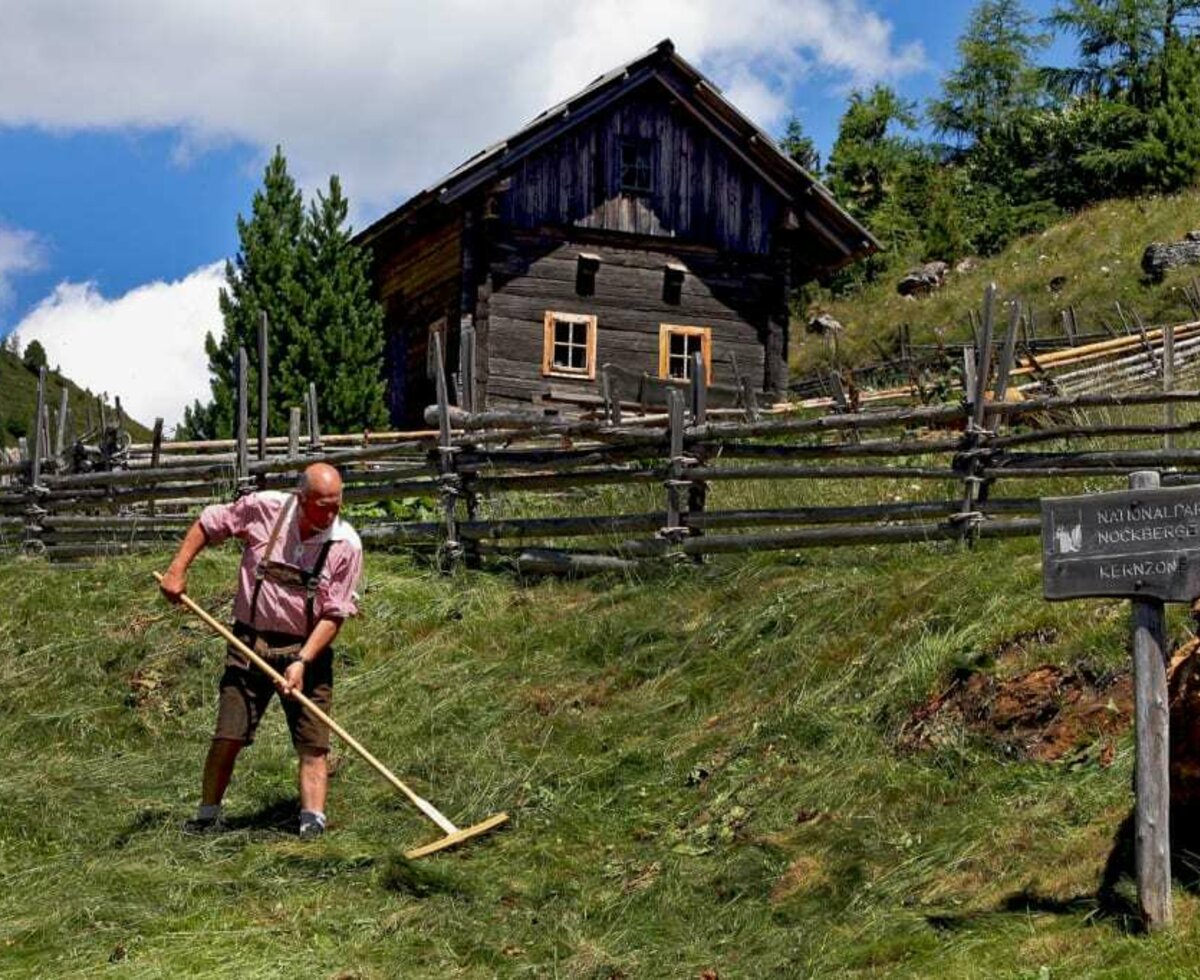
(71, 502)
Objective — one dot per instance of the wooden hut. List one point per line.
(620, 232)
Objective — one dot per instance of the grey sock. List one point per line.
(311, 817)
(208, 811)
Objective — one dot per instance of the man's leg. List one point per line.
(314, 779)
(218, 768)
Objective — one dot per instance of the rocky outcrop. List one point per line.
(1162, 256)
(923, 280)
(824, 325)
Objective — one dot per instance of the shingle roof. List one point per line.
(814, 204)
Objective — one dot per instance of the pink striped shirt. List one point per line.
(280, 607)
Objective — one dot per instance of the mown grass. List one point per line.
(701, 765)
(1097, 252)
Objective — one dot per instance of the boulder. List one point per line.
(823, 325)
(923, 280)
(1161, 256)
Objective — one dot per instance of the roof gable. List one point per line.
(843, 237)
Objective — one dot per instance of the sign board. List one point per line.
(1134, 544)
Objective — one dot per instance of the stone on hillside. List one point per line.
(824, 325)
(923, 280)
(1161, 256)
(968, 264)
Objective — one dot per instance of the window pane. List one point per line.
(678, 345)
(579, 333)
(562, 332)
(579, 357)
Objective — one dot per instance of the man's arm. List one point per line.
(318, 641)
(174, 582)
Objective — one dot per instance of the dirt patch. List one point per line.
(805, 874)
(549, 700)
(1045, 713)
(1183, 681)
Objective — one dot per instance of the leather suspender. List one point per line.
(309, 578)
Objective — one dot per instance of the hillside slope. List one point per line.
(1097, 253)
(713, 769)
(18, 401)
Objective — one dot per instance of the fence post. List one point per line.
(60, 436)
(466, 366)
(1168, 373)
(972, 481)
(314, 421)
(674, 529)
(39, 447)
(263, 385)
(698, 390)
(1152, 839)
(155, 454)
(294, 431)
(449, 481)
(242, 465)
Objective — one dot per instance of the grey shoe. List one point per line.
(199, 827)
(311, 827)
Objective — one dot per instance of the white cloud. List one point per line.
(146, 346)
(392, 94)
(20, 251)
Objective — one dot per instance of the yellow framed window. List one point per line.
(569, 347)
(677, 344)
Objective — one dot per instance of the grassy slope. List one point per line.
(1110, 236)
(18, 399)
(700, 766)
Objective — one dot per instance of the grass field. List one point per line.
(703, 766)
(1096, 254)
(18, 402)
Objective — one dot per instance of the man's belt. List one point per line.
(270, 637)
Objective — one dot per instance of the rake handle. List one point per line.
(423, 805)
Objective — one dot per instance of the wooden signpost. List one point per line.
(1142, 544)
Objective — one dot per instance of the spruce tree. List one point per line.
(800, 147)
(263, 277)
(301, 269)
(343, 348)
(996, 83)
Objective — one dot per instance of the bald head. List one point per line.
(320, 479)
(320, 498)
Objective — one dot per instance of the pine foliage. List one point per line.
(301, 270)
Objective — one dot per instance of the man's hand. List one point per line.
(293, 679)
(173, 584)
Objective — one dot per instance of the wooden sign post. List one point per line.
(1143, 544)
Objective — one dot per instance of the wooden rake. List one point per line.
(454, 835)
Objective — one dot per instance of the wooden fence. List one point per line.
(477, 471)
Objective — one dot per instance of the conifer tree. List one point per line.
(800, 147)
(996, 82)
(263, 277)
(301, 269)
(343, 349)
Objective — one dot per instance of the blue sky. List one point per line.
(132, 134)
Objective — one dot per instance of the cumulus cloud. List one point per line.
(146, 346)
(392, 94)
(20, 252)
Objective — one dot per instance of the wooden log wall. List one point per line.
(536, 273)
(699, 190)
(417, 276)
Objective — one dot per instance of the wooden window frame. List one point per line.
(666, 331)
(549, 368)
(640, 145)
